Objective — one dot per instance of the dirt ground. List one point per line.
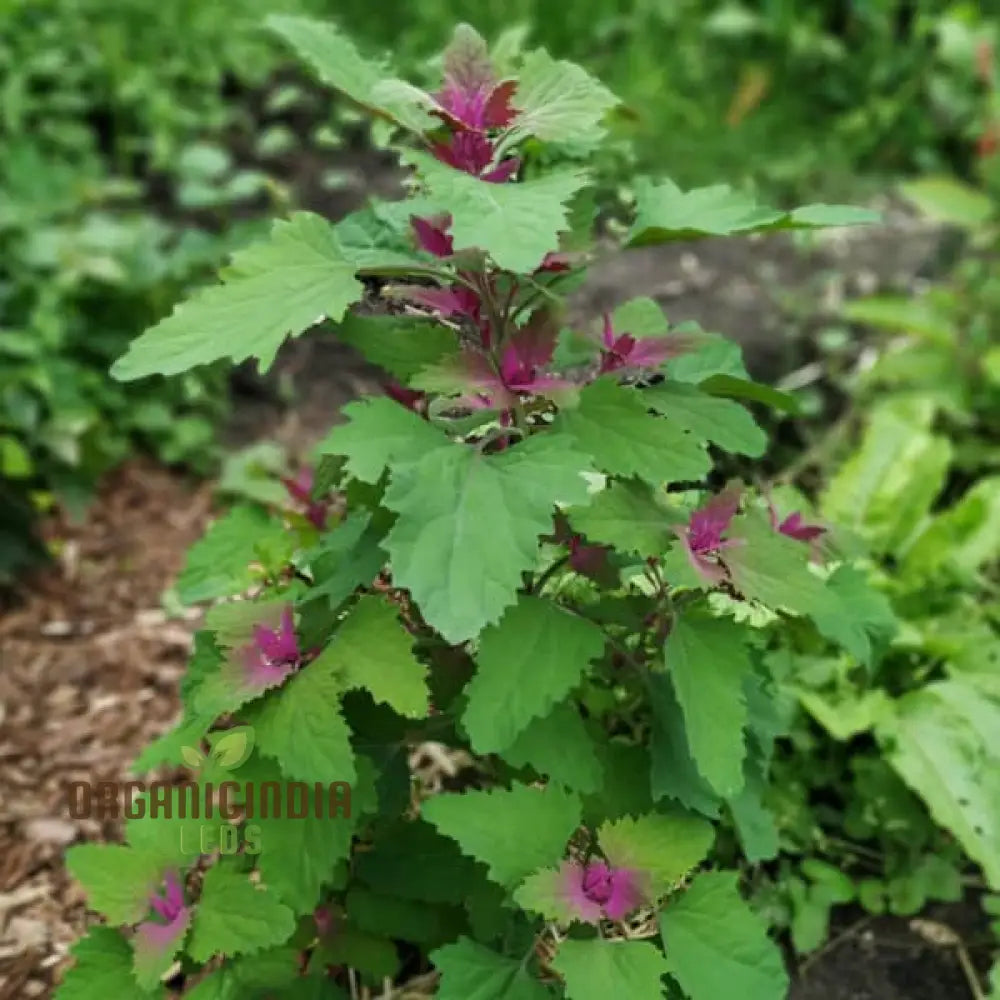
(89, 661)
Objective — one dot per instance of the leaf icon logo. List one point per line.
(233, 747)
(193, 757)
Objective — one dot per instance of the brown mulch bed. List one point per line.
(89, 664)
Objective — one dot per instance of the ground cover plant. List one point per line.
(527, 554)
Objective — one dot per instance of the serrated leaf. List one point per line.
(611, 424)
(339, 64)
(598, 969)
(630, 517)
(559, 101)
(512, 831)
(301, 727)
(401, 345)
(469, 525)
(516, 224)
(235, 918)
(528, 662)
(403, 919)
(102, 969)
(271, 289)
(664, 213)
(471, 972)
(118, 879)
(708, 418)
(665, 846)
(708, 663)
(374, 651)
(378, 432)
(558, 746)
(755, 824)
(941, 740)
(716, 946)
(348, 557)
(674, 774)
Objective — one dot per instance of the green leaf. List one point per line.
(219, 563)
(339, 64)
(716, 946)
(559, 101)
(118, 879)
(512, 831)
(471, 972)
(854, 614)
(755, 824)
(526, 664)
(403, 919)
(919, 316)
(665, 213)
(516, 224)
(734, 387)
(399, 344)
(349, 557)
(708, 662)
(708, 418)
(373, 650)
(271, 289)
(664, 846)
(102, 969)
(884, 490)
(612, 424)
(941, 740)
(301, 727)
(948, 200)
(469, 525)
(597, 969)
(379, 432)
(630, 516)
(234, 917)
(558, 746)
(674, 774)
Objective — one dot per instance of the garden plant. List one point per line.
(537, 560)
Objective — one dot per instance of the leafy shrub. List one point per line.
(513, 559)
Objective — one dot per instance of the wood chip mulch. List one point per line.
(89, 666)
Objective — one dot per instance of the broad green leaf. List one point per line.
(919, 316)
(884, 490)
(629, 516)
(469, 524)
(664, 846)
(399, 344)
(558, 746)
(118, 879)
(374, 651)
(949, 200)
(612, 425)
(403, 919)
(640, 317)
(379, 239)
(271, 289)
(942, 740)
(755, 824)
(966, 535)
(512, 831)
(674, 774)
(708, 418)
(367, 953)
(378, 432)
(234, 917)
(854, 614)
(301, 727)
(708, 662)
(527, 663)
(339, 64)
(664, 213)
(716, 946)
(219, 563)
(713, 355)
(471, 972)
(626, 787)
(349, 556)
(558, 101)
(516, 224)
(846, 717)
(102, 969)
(598, 969)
